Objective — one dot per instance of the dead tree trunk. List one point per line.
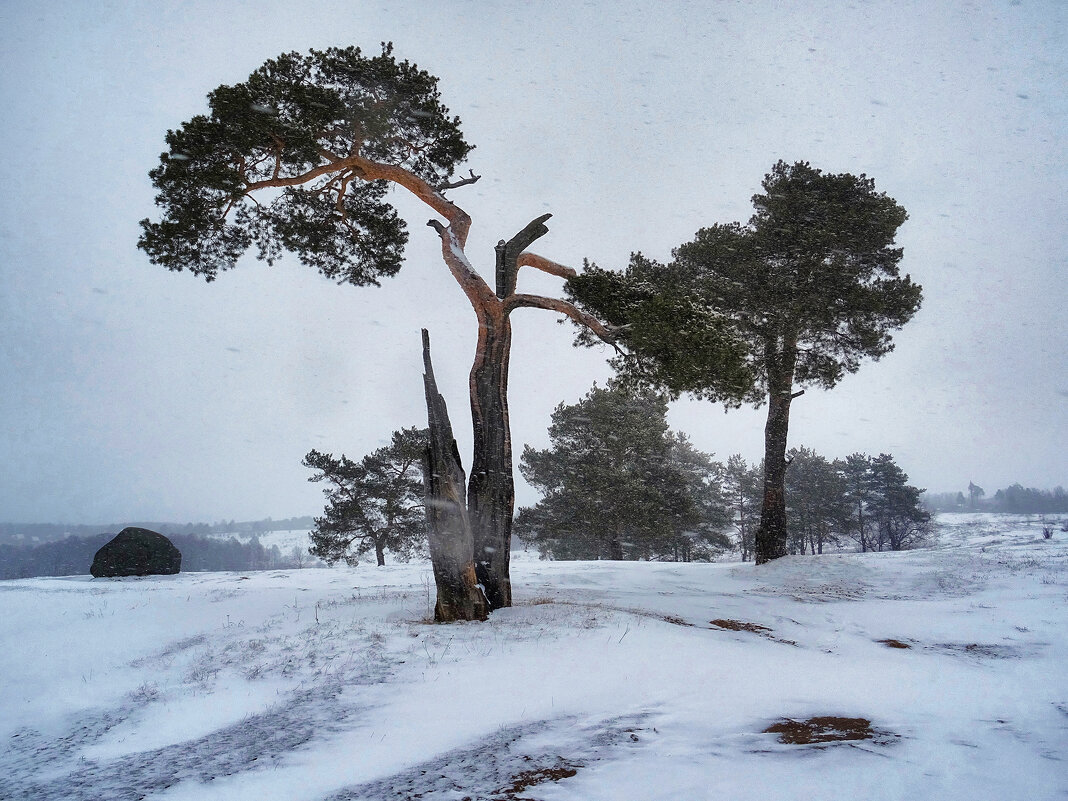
(451, 539)
(491, 494)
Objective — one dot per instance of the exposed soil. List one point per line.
(988, 651)
(739, 625)
(894, 643)
(510, 764)
(979, 649)
(827, 729)
(752, 628)
(529, 778)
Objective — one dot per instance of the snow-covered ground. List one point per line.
(604, 681)
(285, 540)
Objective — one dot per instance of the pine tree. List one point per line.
(817, 501)
(375, 504)
(742, 486)
(856, 471)
(894, 506)
(806, 290)
(617, 484)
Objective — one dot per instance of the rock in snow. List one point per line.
(137, 552)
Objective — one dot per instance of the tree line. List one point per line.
(1014, 499)
(73, 555)
(37, 533)
(618, 483)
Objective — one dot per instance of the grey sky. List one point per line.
(127, 392)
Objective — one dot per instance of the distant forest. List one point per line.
(47, 549)
(73, 556)
(1014, 499)
(36, 533)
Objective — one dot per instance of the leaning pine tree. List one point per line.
(300, 158)
(807, 289)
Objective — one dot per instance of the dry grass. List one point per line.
(530, 778)
(826, 729)
(738, 625)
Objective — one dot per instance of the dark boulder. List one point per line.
(137, 552)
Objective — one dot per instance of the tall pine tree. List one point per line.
(807, 290)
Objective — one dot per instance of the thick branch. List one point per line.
(545, 265)
(508, 254)
(473, 285)
(368, 170)
(606, 333)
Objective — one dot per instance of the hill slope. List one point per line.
(605, 681)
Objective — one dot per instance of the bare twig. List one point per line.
(460, 182)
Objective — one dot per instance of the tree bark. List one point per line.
(450, 537)
(771, 536)
(380, 553)
(491, 491)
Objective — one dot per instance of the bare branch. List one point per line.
(473, 285)
(545, 265)
(327, 154)
(508, 254)
(606, 333)
(368, 170)
(460, 182)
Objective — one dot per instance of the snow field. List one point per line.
(604, 681)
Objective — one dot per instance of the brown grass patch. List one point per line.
(827, 729)
(753, 628)
(894, 643)
(530, 778)
(739, 625)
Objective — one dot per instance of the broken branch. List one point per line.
(460, 182)
(545, 265)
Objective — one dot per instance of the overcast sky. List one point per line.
(131, 393)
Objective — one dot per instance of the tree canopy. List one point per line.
(297, 158)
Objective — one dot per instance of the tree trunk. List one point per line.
(380, 553)
(450, 536)
(771, 536)
(491, 492)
